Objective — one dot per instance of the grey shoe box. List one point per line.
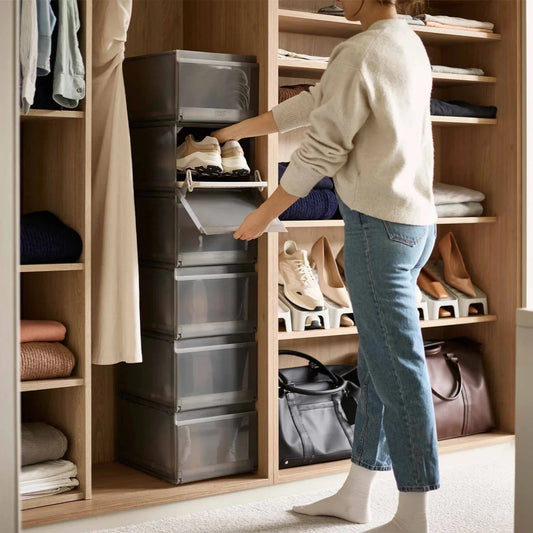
(192, 446)
(193, 374)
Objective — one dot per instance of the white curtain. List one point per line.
(116, 333)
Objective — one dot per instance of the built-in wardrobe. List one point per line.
(482, 154)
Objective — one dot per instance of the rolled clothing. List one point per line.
(319, 204)
(42, 331)
(49, 477)
(456, 21)
(458, 108)
(45, 360)
(324, 183)
(445, 193)
(41, 442)
(44, 238)
(465, 209)
(456, 70)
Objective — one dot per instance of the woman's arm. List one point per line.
(255, 224)
(252, 127)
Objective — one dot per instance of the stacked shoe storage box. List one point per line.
(187, 411)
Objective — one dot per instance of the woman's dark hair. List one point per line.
(408, 7)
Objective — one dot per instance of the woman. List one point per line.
(370, 128)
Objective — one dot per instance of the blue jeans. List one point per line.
(395, 421)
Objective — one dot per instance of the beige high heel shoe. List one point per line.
(329, 278)
(455, 273)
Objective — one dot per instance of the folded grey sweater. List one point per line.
(370, 126)
(41, 442)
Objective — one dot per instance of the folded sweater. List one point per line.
(445, 193)
(41, 442)
(41, 331)
(458, 108)
(45, 360)
(465, 209)
(456, 21)
(49, 477)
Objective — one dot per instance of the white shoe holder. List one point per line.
(464, 300)
(434, 305)
(335, 312)
(284, 313)
(299, 316)
(422, 305)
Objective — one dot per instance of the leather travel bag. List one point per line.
(460, 395)
(317, 406)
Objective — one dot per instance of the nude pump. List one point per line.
(329, 278)
(455, 273)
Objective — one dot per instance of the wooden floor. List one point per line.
(117, 487)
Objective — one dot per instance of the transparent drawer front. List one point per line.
(166, 233)
(195, 374)
(181, 451)
(234, 99)
(198, 302)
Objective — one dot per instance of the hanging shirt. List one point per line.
(46, 21)
(69, 72)
(28, 52)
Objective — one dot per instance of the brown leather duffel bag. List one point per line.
(460, 394)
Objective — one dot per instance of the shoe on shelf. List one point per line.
(202, 157)
(340, 262)
(329, 278)
(430, 284)
(299, 284)
(444, 313)
(455, 273)
(346, 321)
(418, 294)
(334, 9)
(233, 160)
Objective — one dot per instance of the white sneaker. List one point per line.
(233, 160)
(200, 156)
(299, 284)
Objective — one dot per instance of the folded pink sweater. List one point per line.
(41, 331)
(45, 360)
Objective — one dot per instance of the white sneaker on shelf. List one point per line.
(203, 156)
(233, 160)
(295, 274)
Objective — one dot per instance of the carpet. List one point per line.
(476, 496)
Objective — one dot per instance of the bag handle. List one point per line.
(339, 384)
(453, 363)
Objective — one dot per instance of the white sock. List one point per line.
(350, 503)
(411, 516)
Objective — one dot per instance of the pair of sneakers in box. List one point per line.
(208, 157)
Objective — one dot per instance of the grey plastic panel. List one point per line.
(181, 451)
(166, 234)
(191, 87)
(198, 301)
(218, 211)
(193, 374)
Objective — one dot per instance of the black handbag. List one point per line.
(317, 406)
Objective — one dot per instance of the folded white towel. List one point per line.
(47, 470)
(444, 193)
(457, 21)
(464, 209)
(297, 55)
(72, 484)
(456, 70)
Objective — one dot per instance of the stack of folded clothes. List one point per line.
(320, 204)
(287, 54)
(44, 472)
(456, 201)
(455, 23)
(42, 356)
(442, 69)
(45, 239)
(458, 108)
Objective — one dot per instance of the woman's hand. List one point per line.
(253, 226)
(226, 134)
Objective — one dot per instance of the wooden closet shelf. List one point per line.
(117, 487)
(58, 267)
(332, 26)
(45, 501)
(352, 330)
(303, 68)
(340, 223)
(44, 114)
(48, 384)
(445, 446)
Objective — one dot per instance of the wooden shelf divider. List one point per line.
(340, 223)
(49, 114)
(48, 384)
(57, 267)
